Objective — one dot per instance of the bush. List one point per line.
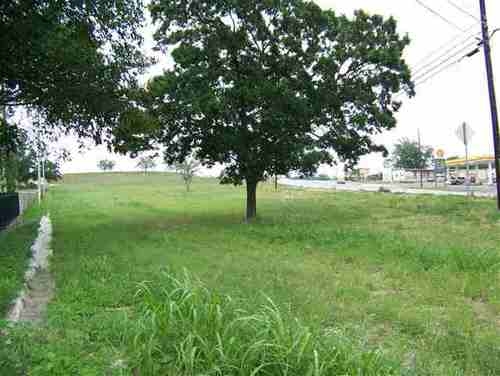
(184, 329)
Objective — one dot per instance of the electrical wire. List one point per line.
(444, 68)
(462, 52)
(444, 45)
(460, 9)
(440, 16)
(420, 67)
(421, 80)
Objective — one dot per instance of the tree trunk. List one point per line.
(251, 201)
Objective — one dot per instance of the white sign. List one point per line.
(465, 133)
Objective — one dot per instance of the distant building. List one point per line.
(481, 167)
(397, 175)
(357, 174)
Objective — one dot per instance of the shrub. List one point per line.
(185, 329)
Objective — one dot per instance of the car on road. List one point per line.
(456, 180)
(460, 180)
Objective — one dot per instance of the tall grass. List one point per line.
(186, 329)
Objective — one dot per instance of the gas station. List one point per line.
(480, 167)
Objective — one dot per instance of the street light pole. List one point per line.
(491, 90)
(467, 165)
(421, 162)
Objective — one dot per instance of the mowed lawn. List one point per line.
(416, 277)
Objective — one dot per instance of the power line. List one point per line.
(444, 45)
(440, 16)
(460, 9)
(440, 68)
(444, 68)
(422, 79)
(430, 77)
(416, 69)
(462, 53)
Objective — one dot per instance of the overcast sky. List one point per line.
(442, 103)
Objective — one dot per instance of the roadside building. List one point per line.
(480, 167)
(396, 175)
(357, 174)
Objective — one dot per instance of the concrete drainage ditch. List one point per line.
(38, 290)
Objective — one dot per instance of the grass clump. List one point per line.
(186, 329)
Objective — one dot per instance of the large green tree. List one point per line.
(269, 86)
(73, 61)
(410, 155)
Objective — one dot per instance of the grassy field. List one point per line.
(414, 278)
(15, 243)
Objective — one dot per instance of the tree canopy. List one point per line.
(409, 155)
(72, 61)
(265, 87)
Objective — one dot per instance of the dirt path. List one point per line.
(31, 304)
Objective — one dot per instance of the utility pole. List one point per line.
(467, 165)
(38, 158)
(421, 159)
(491, 90)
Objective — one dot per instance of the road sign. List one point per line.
(440, 153)
(439, 165)
(464, 133)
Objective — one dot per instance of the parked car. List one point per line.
(456, 180)
(460, 180)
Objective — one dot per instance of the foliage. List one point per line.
(73, 61)
(19, 161)
(28, 168)
(187, 170)
(185, 329)
(268, 87)
(10, 143)
(106, 165)
(52, 170)
(146, 163)
(409, 155)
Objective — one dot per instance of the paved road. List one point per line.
(480, 191)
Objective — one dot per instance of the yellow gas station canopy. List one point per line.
(473, 159)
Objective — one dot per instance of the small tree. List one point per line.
(146, 163)
(187, 170)
(409, 155)
(106, 165)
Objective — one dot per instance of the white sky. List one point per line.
(456, 95)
